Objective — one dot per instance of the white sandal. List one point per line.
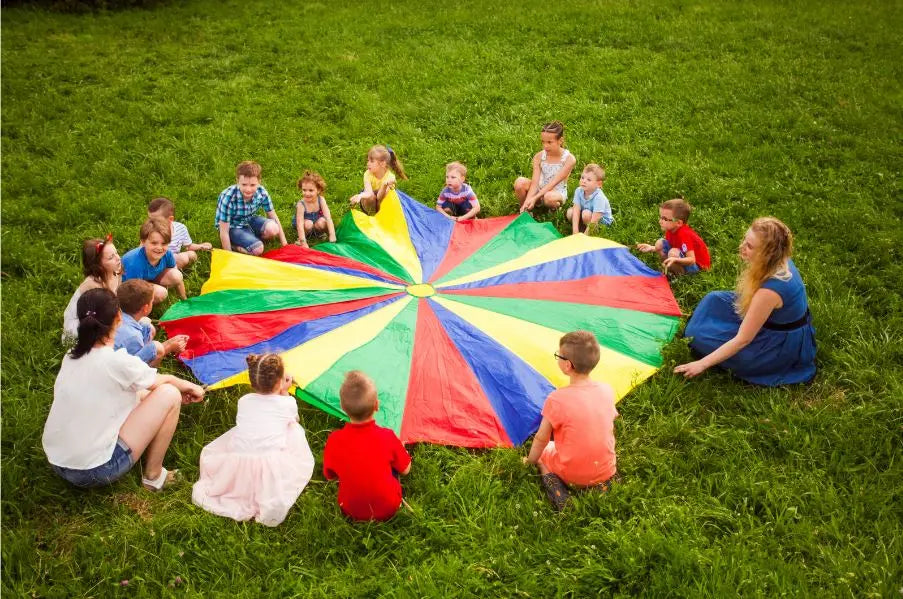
(166, 479)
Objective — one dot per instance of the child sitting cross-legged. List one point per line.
(258, 468)
(152, 261)
(366, 458)
(136, 333)
(581, 419)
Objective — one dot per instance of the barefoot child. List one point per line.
(180, 239)
(136, 333)
(240, 227)
(311, 211)
(590, 204)
(581, 419)
(383, 167)
(258, 468)
(551, 168)
(682, 250)
(366, 458)
(152, 260)
(457, 200)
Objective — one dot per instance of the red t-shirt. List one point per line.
(362, 456)
(687, 240)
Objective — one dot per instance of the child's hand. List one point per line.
(332, 239)
(355, 200)
(667, 262)
(645, 247)
(205, 246)
(192, 393)
(302, 243)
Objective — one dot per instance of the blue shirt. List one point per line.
(135, 338)
(135, 265)
(594, 203)
(232, 208)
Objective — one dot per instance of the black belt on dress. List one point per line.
(789, 326)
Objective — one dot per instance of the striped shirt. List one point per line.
(180, 237)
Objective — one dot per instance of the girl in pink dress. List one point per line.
(258, 468)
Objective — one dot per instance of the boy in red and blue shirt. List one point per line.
(366, 458)
(682, 250)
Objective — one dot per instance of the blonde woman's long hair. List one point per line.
(775, 248)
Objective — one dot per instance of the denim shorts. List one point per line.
(456, 209)
(105, 474)
(249, 236)
(693, 268)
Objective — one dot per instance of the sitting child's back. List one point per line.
(582, 418)
(365, 457)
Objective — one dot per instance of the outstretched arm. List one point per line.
(764, 302)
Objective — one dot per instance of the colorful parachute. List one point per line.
(457, 323)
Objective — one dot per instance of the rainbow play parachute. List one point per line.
(457, 323)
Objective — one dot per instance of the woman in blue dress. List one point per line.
(762, 332)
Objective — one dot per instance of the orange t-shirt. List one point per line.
(583, 431)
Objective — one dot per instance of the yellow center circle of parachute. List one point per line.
(421, 290)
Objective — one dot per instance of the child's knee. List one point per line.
(270, 229)
(570, 213)
(308, 226)
(587, 216)
(552, 199)
(160, 293)
(256, 249)
(191, 255)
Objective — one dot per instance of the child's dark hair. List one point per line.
(679, 208)
(581, 349)
(97, 311)
(155, 224)
(161, 207)
(248, 168)
(92, 258)
(315, 178)
(265, 371)
(388, 155)
(556, 127)
(134, 294)
(357, 396)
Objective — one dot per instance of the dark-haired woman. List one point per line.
(103, 270)
(110, 408)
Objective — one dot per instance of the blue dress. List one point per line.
(782, 352)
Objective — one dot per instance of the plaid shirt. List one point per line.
(231, 207)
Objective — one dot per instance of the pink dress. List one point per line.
(258, 468)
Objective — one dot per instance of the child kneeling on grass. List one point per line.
(581, 418)
(366, 458)
(258, 468)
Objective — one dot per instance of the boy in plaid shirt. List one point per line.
(236, 213)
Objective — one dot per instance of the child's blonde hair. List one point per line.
(265, 371)
(456, 166)
(315, 178)
(161, 207)
(387, 154)
(775, 248)
(357, 396)
(556, 127)
(248, 168)
(596, 170)
(155, 224)
(581, 349)
(679, 208)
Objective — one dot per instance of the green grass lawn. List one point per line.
(745, 109)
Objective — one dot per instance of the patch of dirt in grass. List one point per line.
(136, 503)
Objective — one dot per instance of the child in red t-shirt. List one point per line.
(365, 457)
(581, 417)
(682, 250)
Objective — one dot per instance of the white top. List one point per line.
(180, 237)
(550, 169)
(261, 421)
(70, 318)
(92, 397)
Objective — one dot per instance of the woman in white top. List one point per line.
(103, 269)
(110, 408)
(551, 168)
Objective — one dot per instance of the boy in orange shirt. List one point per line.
(581, 418)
